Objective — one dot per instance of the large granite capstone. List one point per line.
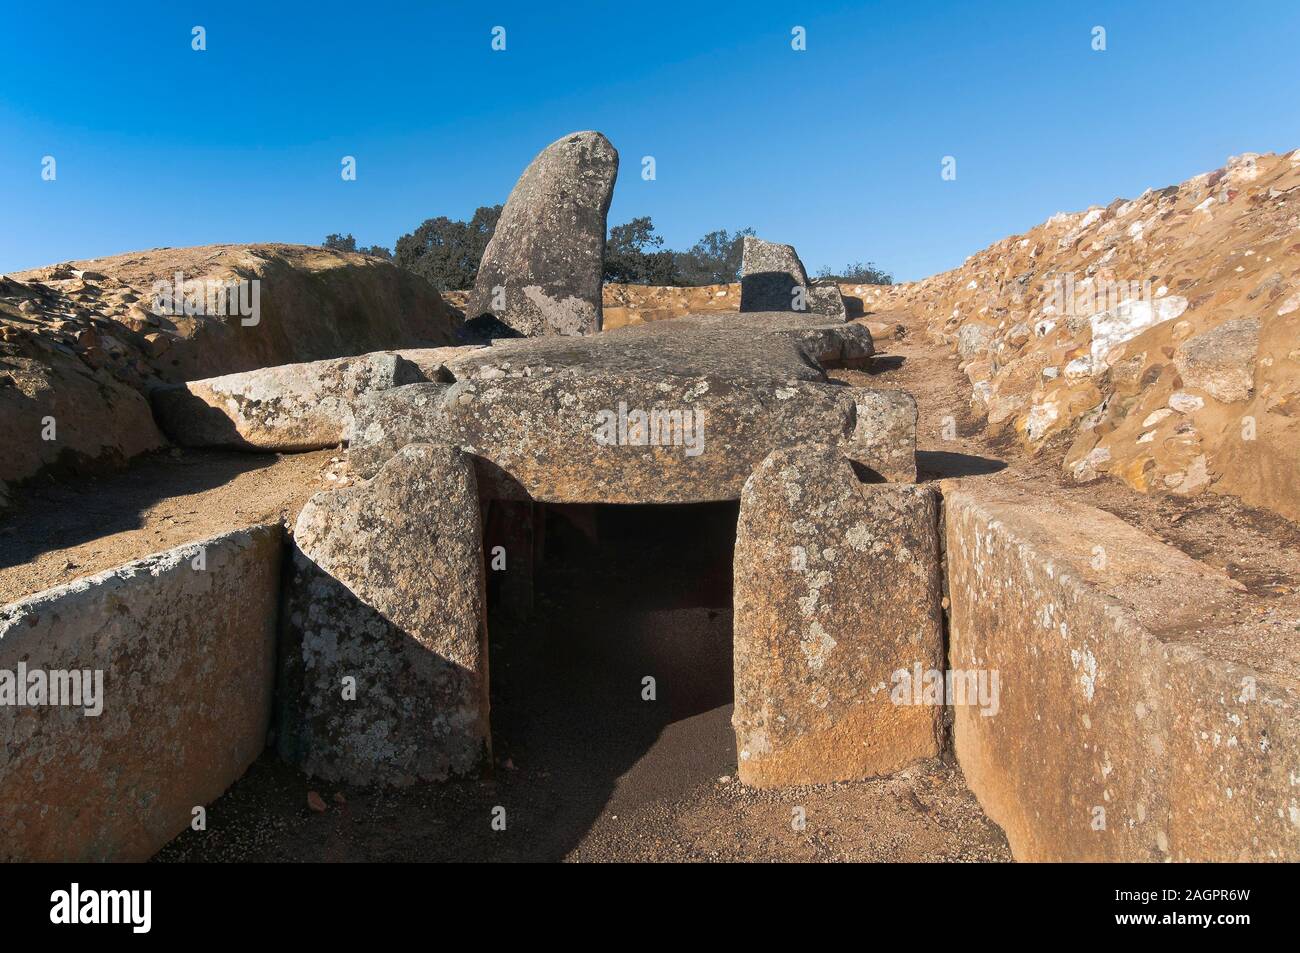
(676, 412)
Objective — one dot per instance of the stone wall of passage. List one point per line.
(168, 664)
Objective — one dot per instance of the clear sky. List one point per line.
(836, 148)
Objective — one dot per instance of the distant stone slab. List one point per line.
(884, 434)
(837, 589)
(383, 653)
(543, 270)
(293, 407)
(773, 279)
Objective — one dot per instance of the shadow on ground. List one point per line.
(54, 514)
(943, 464)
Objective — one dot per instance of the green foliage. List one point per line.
(714, 260)
(447, 252)
(635, 255)
(862, 272)
(346, 242)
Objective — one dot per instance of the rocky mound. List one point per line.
(81, 342)
(1156, 339)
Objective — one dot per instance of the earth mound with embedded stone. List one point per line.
(82, 343)
(1156, 340)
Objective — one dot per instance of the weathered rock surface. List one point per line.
(92, 420)
(773, 279)
(605, 436)
(884, 434)
(825, 299)
(1221, 362)
(837, 587)
(1127, 729)
(673, 412)
(386, 599)
(547, 254)
(433, 361)
(293, 407)
(759, 347)
(187, 657)
(387, 421)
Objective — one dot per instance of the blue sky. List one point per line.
(836, 149)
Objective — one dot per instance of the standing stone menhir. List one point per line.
(543, 270)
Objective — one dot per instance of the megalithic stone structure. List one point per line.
(543, 269)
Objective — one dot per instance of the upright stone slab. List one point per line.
(543, 270)
(178, 650)
(386, 603)
(389, 420)
(773, 279)
(884, 434)
(837, 588)
(1129, 726)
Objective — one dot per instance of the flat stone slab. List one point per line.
(603, 437)
(1118, 736)
(761, 348)
(383, 652)
(183, 644)
(837, 588)
(293, 407)
(676, 412)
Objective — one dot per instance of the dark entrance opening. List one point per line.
(611, 681)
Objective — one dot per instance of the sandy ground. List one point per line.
(60, 530)
(583, 769)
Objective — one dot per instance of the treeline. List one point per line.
(446, 252)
